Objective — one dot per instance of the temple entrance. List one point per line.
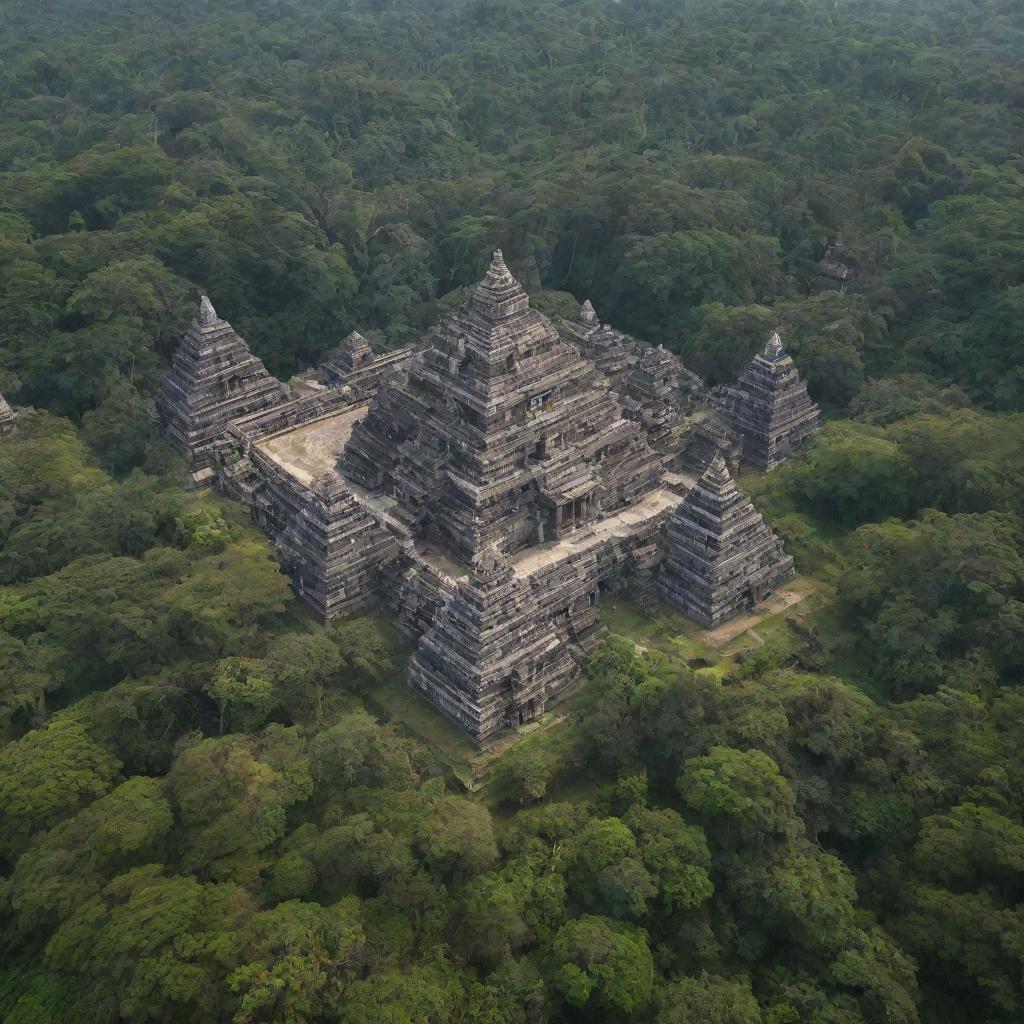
(573, 513)
(521, 715)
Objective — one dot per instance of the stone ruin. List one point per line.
(483, 488)
(491, 658)
(214, 379)
(722, 558)
(7, 418)
(769, 405)
(334, 549)
(835, 268)
(502, 434)
(354, 353)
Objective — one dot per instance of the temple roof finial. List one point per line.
(498, 275)
(774, 347)
(329, 485)
(499, 294)
(6, 417)
(717, 469)
(207, 314)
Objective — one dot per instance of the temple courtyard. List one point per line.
(313, 448)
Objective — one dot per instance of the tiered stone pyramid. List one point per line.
(657, 392)
(611, 351)
(6, 417)
(722, 557)
(770, 407)
(354, 353)
(491, 659)
(214, 379)
(335, 550)
(502, 434)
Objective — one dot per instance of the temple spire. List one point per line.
(498, 274)
(773, 350)
(587, 314)
(207, 314)
(214, 379)
(498, 282)
(499, 295)
(722, 557)
(717, 472)
(769, 405)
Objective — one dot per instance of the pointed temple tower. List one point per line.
(354, 353)
(770, 407)
(335, 550)
(722, 557)
(611, 351)
(6, 417)
(491, 658)
(214, 378)
(502, 434)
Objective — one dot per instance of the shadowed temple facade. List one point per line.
(488, 485)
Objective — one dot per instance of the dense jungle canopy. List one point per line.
(203, 815)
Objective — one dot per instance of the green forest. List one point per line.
(208, 812)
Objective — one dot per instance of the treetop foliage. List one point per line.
(205, 814)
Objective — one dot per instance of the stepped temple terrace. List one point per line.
(486, 485)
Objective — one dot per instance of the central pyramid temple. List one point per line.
(488, 485)
(503, 434)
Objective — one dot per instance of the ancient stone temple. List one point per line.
(611, 351)
(334, 550)
(485, 486)
(214, 379)
(658, 392)
(722, 558)
(6, 417)
(491, 658)
(502, 433)
(354, 353)
(770, 407)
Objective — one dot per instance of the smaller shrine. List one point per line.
(722, 558)
(611, 351)
(214, 379)
(491, 658)
(769, 405)
(354, 353)
(835, 267)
